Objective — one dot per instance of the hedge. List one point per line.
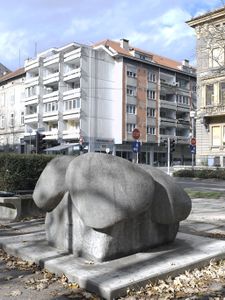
(21, 172)
(201, 173)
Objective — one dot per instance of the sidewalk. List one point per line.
(192, 248)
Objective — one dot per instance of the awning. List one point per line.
(62, 147)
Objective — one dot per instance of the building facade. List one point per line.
(158, 96)
(210, 122)
(70, 97)
(12, 112)
(96, 96)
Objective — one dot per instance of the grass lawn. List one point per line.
(204, 194)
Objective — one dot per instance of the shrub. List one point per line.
(21, 172)
(201, 173)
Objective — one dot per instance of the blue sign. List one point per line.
(136, 146)
(193, 149)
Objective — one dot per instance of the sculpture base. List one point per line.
(133, 235)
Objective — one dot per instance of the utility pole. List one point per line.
(168, 156)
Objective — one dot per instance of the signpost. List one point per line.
(136, 145)
(193, 150)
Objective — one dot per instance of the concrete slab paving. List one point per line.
(110, 279)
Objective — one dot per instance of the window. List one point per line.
(209, 89)
(152, 77)
(131, 74)
(222, 92)
(151, 94)
(216, 58)
(31, 91)
(131, 91)
(130, 127)
(72, 104)
(150, 112)
(183, 99)
(2, 121)
(131, 109)
(31, 109)
(150, 130)
(11, 121)
(215, 136)
(22, 118)
(51, 106)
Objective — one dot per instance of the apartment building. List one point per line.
(12, 93)
(158, 95)
(210, 123)
(73, 95)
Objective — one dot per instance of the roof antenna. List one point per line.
(35, 49)
(19, 58)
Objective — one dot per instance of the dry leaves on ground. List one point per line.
(197, 282)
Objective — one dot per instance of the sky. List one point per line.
(30, 26)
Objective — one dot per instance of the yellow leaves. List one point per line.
(196, 282)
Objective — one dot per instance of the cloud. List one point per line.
(167, 28)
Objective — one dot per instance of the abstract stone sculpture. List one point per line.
(103, 207)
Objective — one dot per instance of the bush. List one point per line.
(21, 172)
(201, 173)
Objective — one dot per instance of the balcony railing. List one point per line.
(50, 78)
(75, 73)
(215, 110)
(72, 55)
(53, 96)
(71, 94)
(53, 59)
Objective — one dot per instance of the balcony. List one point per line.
(31, 100)
(72, 55)
(31, 64)
(31, 118)
(53, 96)
(72, 133)
(53, 59)
(183, 122)
(51, 135)
(167, 122)
(71, 94)
(30, 81)
(72, 114)
(50, 116)
(183, 107)
(72, 74)
(168, 104)
(216, 110)
(51, 78)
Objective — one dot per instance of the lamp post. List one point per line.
(192, 116)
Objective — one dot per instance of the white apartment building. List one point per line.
(12, 93)
(74, 93)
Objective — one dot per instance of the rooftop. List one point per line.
(129, 51)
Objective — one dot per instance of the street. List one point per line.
(213, 185)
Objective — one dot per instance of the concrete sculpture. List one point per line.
(103, 207)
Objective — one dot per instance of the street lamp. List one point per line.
(192, 116)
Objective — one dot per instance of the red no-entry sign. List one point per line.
(193, 141)
(136, 133)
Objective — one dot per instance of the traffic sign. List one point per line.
(136, 133)
(136, 146)
(193, 149)
(193, 141)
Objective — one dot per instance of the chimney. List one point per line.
(124, 44)
(185, 63)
